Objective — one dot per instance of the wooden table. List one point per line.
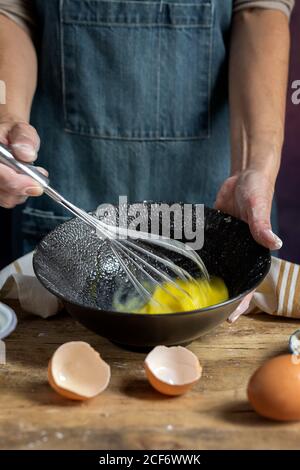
(130, 414)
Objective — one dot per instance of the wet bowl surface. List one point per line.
(81, 270)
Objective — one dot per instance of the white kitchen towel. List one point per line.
(278, 294)
(18, 281)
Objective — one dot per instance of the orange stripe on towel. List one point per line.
(296, 303)
(287, 292)
(279, 282)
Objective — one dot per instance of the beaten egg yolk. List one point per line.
(202, 293)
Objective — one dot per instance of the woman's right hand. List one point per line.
(24, 143)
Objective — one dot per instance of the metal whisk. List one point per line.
(145, 268)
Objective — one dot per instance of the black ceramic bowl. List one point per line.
(79, 269)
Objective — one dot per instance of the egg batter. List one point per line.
(202, 293)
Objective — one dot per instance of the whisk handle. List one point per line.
(7, 158)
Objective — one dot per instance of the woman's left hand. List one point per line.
(248, 195)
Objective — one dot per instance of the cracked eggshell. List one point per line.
(76, 371)
(172, 370)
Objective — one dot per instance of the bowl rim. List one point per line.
(65, 299)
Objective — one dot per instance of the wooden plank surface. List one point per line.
(130, 414)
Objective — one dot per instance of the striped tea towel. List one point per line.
(278, 294)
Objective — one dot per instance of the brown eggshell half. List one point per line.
(274, 389)
(76, 371)
(172, 370)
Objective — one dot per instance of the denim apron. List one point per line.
(131, 100)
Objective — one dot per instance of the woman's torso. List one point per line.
(131, 100)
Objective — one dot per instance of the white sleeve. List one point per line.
(285, 6)
(20, 11)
